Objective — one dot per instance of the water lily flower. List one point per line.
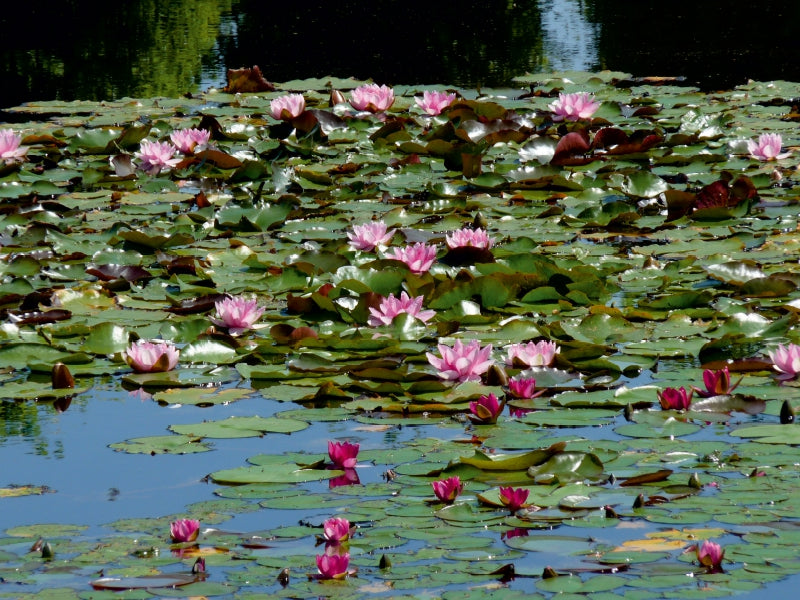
(477, 238)
(390, 307)
(523, 387)
(573, 107)
(287, 107)
(710, 555)
(786, 360)
(532, 354)
(447, 490)
(236, 314)
(372, 97)
(189, 140)
(767, 147)
(369, 236)
(486, 409)
(434, 102)
(155, 156)
(419, 257)
(333, 566)
(513, 498)
(336, 530)
(717, 383)
(343, 454)
(462, 362)
(675, 399)
(10, 148)
(184, 530)
(156, 356)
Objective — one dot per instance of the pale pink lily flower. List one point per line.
(434, 102)
(419, 257)
(333, 566)
(189, 140)
(447, 490)
(154, 156)
(390, 307)
(675, 399)
(156, 356)
(767, 147)
(369, 236)
(485, 409)
(786, 360)
(477, 238)
(710, 555)
(573, 107)
(343, 454)
(532, 354)
(288, 107)
(462, 362)
(10, 148)
(184, 530)
(513, 498)
(523, 388)
(372, 97)
(236, 314)
(336, 530)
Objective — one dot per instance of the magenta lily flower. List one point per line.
(532, 354)
(523, 388)
(287, 107)
(513, 498)
(675, 399)
(10, 148)
(333, 566)
(486, 409)
(574, 107)
(477, 238)
(343, 454)
(184, 530)
(370, 236)
(710, 555)
(189, 140)
(372, 97)
(154, 156)
(236, 314)
(419, 257)
(156, 356)
(434, 102)
(336, 530)
(717, 383)
(462, 362)
(447, 490)
(767, 147)
(786, 360)
(390, 307)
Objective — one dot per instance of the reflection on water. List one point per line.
(569, 39)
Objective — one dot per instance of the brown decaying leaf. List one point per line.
(247, 80)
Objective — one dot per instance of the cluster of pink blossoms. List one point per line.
(191, 140)
(476, 238)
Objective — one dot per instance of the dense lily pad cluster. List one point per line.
(410, 259)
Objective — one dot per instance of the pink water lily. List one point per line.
(573, 107)
(767, 147)
(513, 498)
(287, 107)
(372, 97)
(369, 236)
(477, 238)
(154, 156)
(156, 356)
(710, 555)
(189, 140)
(523, 388)
(184, 530)
(447, 490)
(10, 148)
(419, 257)
(675, 399)
(485, 409)
(336, 530)
(333, 566)
(343, 454)
(390, 307)
(786, 360)
(462, 362)
(717, 382)
(236, 314)
(434, 102)
(532, 354)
